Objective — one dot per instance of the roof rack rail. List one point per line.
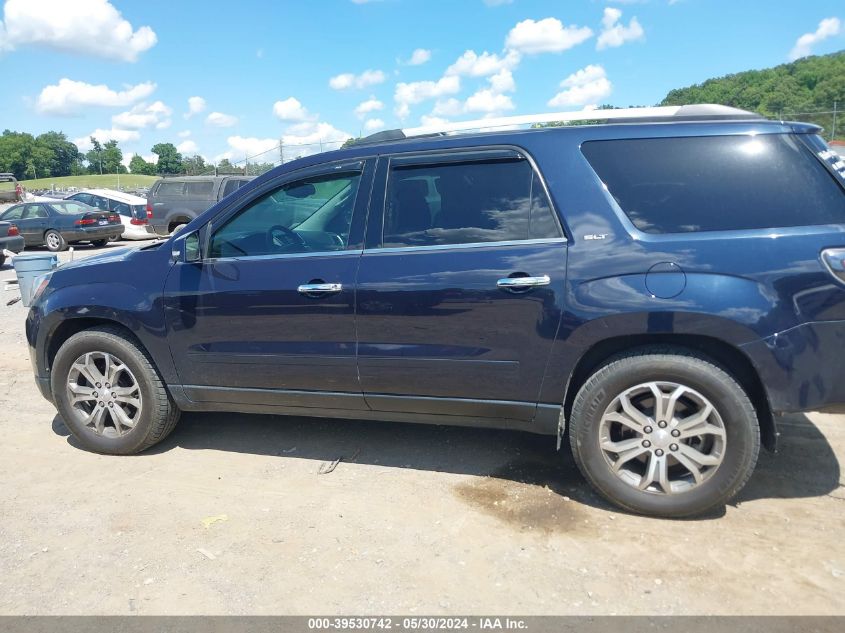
(695, 112)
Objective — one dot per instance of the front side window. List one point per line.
(717, 183)
(310, 215)
(466, 202)
(82, 197)
(13, 214)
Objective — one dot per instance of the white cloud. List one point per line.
(586, 86)
(69, 96)
(242, 146)
(219, 119)
(344, 81)
(614, 33)
(502, 81)
(428, 119)
(184, 134)
(88, 27)
(447, 107)
(472, 64)
(309, 138)
(545, 36)
(370, 105)
(291, 110)
(187, 147)
(195, 106)
(829, 27)
(121, 136)
(408, 94)
(144, 115)
(371, 125)
(488, 101)
(419, 57)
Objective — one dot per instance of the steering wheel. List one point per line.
(281, 237)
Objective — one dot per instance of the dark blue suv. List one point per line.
(659, 290)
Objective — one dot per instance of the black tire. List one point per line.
(177, 227)
(669, 365)
(54, 241)
(99, 243)
(2, 259)
(158, 414)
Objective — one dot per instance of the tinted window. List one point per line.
(717, 183)
(302, 216)
(231, 185)
(82, 197)
(201, 189)
(169, 188)
(32, 211)
(122, 208)
(13, 214)
(460, 203)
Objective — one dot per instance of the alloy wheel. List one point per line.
(104, 394)
(662, 437)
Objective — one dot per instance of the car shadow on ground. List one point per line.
(805, 466)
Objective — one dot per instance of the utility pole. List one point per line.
(833, 127)
(281, 151)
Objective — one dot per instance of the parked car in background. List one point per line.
(131, 209)
(62, 222)
(173, 202)
(661, 290)
(9, 191)
(10, 240)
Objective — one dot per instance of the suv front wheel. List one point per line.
(664, 432)
(109, 394)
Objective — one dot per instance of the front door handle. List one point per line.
(523, 283)
(319, 290)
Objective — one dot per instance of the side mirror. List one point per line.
(191, 248)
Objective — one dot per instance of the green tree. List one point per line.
(94, 157)
(194, 165)
(113, 158)
(169, 159)
(64, 154)
(137, 165)
(226, 167)
(21, 155)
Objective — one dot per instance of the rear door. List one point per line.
(460, 288)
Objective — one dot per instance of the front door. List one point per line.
(267, 316)
(460, 288)
(33, 224)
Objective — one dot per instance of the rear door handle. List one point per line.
(317, 290)
(521, 283)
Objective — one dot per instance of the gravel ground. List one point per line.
(230, 516)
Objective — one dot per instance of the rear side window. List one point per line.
(170, 189)
(717, 183)
(466, 202)
(201, 189)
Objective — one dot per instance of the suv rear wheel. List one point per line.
(109, 393)
(665, 433)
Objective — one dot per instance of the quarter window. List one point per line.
(717, 183)
(13, 214)
(310, 215)
(466, 202)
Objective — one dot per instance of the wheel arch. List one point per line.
(731, 358)
(68, 327)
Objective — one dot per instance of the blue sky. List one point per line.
(326, 69)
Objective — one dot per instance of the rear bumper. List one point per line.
(93, 233)
(14, 243)
(801, 368)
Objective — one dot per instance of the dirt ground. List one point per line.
(231, 516)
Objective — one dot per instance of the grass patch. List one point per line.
(96, 181)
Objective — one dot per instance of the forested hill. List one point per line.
(802, 90)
